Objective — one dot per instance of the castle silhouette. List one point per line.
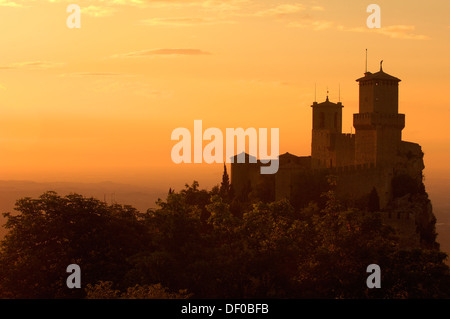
(362, 163)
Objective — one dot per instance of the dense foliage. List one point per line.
(204, 244)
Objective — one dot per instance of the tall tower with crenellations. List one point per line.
(378, 124)
(326, 125)
(373, 158)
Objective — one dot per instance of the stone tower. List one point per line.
(378, 124)
(327, 125)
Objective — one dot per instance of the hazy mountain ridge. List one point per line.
(139, 197)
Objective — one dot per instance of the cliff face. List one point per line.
(409, 197)
(410, 161)
(426, 222)
(413, 218)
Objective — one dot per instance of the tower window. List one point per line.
(321, 120)
(335, 120)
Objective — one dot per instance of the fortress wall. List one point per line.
(323, 148)
(388, 143)
(354, 182)
(365, 146)
(283, 182)
(296, 176)
(289, 179)
(292, 168)
(243, 174)
(300, 185)
(330, 149)
(345, 149)
(249, 174)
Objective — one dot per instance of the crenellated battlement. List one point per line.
(370, 120)
(347, 135)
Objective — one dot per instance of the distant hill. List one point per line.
(139, 197)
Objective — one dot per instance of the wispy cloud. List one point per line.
(138, 88)
(281, 10)
(317, 8)
(98, 11)
(7, 3)
(33, 65)
(402, 32)
(315, 25)
(182, 21)
(309, 22)
(161, 52)
(395, 32)
(107, 2)
(126, 2)
(220, 5)
(264, 82)
(91, 74)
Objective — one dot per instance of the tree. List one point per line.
(105, 290)
(51, 232)
(225, 185)
(194, 242)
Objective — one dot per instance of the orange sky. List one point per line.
(100, 102)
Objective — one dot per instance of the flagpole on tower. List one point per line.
(366, 60)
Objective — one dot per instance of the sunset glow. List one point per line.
(100, 102)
